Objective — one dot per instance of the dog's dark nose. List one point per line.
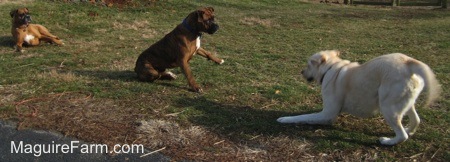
(27, 18)
(213, 29)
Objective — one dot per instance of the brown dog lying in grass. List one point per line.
(26, 33)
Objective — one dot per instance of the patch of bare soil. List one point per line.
(78, 114)
(251, 21)
(15, 1)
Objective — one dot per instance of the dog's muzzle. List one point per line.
(26, 19)
(214, 27)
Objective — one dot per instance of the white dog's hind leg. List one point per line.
(395, 122)
(397, 99)
(414, 121)
(394, 101)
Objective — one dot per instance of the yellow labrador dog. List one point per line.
(389, 84)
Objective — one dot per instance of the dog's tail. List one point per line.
(432, 86)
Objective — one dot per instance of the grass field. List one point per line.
(87, 88)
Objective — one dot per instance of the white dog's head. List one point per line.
(319, 64)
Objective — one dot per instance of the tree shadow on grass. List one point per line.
(232, 120)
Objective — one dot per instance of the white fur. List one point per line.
(197, 43)
(28, 38)
(172, 74)
(389, 84)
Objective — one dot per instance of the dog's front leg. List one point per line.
(183, 63)
(208, 55)
(326, 117)
(19, 44)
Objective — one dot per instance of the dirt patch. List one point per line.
(8, 93)
(78, 114)
(251, 21)
(117, 3)
(81, 115)
(141, 26)
(62, 77)
(22, 2)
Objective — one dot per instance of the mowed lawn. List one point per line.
(87, 88)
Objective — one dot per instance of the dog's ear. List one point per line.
(201, 12)
(320, 59)
(200, 15)
(335, 53)
(13, 12)
(210, 9)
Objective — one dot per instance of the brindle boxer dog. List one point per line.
(177, 48)
(30, 34)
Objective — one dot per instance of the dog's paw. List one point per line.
(197, 89)
(285, 120)
(221, 62)
(410, 131)
(168, 76)
(21, 51)
(172, 75)
(389, 141)
(16, 48)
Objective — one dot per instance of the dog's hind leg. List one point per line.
(395, 121)
(147, 73)
(396, 100)
(47, 36)
(52, 40)
(414, 121)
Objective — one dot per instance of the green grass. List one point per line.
(88, 85)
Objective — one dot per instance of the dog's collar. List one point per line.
(188, 27)
(323, 76)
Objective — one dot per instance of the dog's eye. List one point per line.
(210, 21)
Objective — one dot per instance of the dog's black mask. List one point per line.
(23, 19)
(26, 19)
(214, 27)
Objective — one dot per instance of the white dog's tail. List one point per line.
(431, 84)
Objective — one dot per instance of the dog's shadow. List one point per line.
(6, 41)
(123, 76)
(229, 120)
